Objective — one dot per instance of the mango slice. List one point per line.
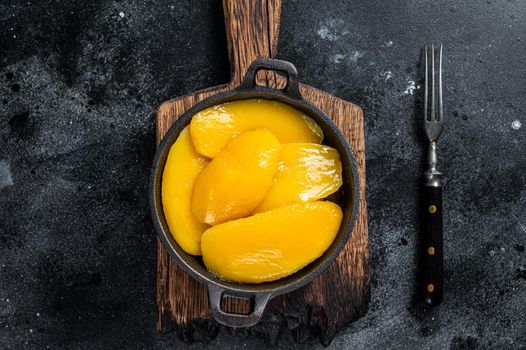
(235, 181)
(271, 245)
(214, 127)
(180, 171)
(306, 172)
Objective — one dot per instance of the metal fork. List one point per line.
(432, 238)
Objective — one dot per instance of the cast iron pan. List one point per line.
(347, 197)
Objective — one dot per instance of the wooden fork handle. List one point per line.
(432, 247)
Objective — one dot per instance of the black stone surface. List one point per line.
(79, 84)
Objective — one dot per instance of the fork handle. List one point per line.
(432, 247)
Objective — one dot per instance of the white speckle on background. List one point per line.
(410, 88)
(516, 125)
(332, 30)
(324, 33)
(121, 14)
(353, 57)
(389, 43)
(338, 58)
(356, 55)
(6, 179)
(387, 75)
(502, 249)
(492, 253)
(31, 330)
(38, 314)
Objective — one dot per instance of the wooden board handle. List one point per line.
(252, 28)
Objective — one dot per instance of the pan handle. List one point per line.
(291, 89)
(260, 300)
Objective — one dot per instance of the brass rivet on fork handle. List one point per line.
(432, 238)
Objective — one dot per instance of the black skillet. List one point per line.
(347, 197)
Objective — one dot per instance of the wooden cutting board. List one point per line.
(338, 296)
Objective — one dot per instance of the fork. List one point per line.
(432, 239)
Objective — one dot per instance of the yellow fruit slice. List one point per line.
(306, 172)
(271, 245)
(235, 181)
(180, 171)
(214, 127)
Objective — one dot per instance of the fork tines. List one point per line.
(433, 121)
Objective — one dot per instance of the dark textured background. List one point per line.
(79, 84)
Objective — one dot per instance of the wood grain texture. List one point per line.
(338, 296)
